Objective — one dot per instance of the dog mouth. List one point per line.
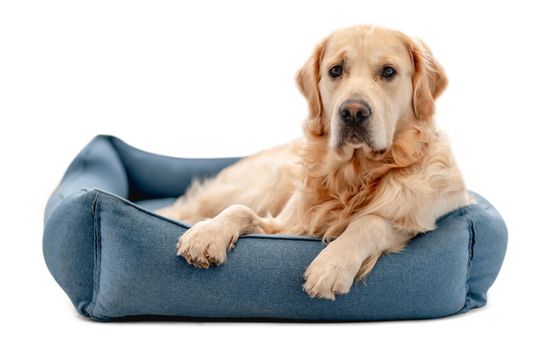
(355, 141)
(355, 137)
(352, 141)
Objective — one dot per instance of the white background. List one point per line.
(205, 78)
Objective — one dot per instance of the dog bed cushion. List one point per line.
(115, 258)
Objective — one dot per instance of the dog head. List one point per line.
(362, 82)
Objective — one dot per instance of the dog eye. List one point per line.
(336, 71)
(388, 72)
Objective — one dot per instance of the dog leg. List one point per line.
(352, 255)
(208, 241)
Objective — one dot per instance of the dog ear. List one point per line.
(429, 80)
(308, 79)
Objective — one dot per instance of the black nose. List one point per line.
(354, 111)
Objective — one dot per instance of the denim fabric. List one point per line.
(114, 257)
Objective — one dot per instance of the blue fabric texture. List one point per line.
(115, 258)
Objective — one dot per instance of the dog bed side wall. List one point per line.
(490, 239)
(68, 237)
(68, 247)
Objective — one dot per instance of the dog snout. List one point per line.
(354, 111)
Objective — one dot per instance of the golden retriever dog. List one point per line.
(371, 172)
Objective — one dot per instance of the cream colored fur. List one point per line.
(365, 199)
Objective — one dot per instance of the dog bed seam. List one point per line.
(461, 211)
(471, 251)
(96, 254)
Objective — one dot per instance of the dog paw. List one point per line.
(205, 244)
(330, 275)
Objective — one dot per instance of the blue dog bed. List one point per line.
(115, 258)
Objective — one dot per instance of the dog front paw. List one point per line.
(330, 275)
(205, 244)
